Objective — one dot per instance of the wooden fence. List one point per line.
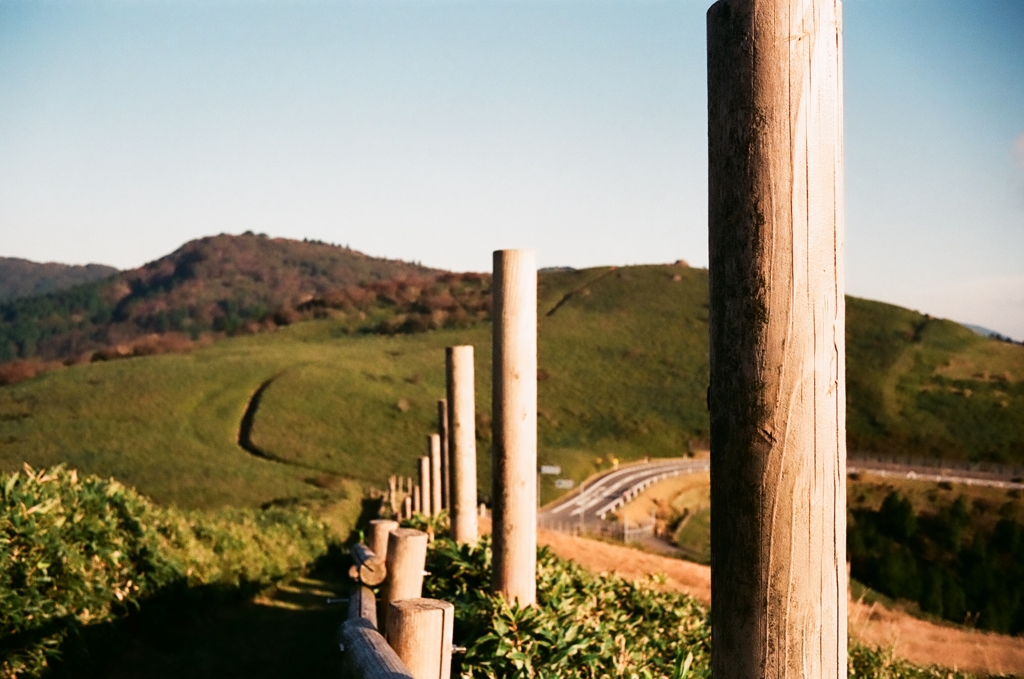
(777, 358)
(417, 638)
(626, 531)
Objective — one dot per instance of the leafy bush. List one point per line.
(588, 625)
(584, 625)
(79, 551)
(875, 663)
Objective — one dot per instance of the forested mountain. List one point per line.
(217, 284)
(23, 278)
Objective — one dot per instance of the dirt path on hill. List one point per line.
(916, 640)
(248, 419)
(244, 437)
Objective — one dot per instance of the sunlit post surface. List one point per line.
(514, 406)
(777, 314)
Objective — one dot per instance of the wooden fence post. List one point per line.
(393, 494)
(777, 315)
(446, 469)
(514, 406)
(434, 448)
(420, 631)
(462, 442)
(425, 486)
(407, 557)
(379, 531)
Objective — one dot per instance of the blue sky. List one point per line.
(440, 131)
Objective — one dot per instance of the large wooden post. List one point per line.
(446, 469)
(407, 555)
(434, 450)
(777, 314)
(420, 631)
(393, 494)
(425, 495)
(462, 442)
(514, 414)
(379, 531)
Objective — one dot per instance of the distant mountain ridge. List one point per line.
(25, 278)
(987, 332)
(215, 284)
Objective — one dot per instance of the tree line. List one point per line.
(951, 566)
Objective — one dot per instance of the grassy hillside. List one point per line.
(623, 372)
(22, 278)
(928, 387)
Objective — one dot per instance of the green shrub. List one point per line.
(80, 551)
(875, 663)
(588, 625)
(584, 626)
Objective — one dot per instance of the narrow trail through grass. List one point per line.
(249, 416)
(579, 289)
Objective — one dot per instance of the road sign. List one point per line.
(552, 469)
(564, 484)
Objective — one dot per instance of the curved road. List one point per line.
(603, 495)
(612, 489)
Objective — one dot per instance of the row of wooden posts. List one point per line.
(777, 352)
(447, 473)
(417, 639)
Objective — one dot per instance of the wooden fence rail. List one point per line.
(418, 639)
(367, 568)
(367, 655)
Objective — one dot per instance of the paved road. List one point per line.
(935, 474)
(608, 492)
(611, 490)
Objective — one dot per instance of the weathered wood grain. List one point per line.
(777, 394)
(420, 631)
(367, 655)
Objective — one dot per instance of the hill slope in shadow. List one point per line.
(24, 278)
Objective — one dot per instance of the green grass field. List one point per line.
(623, 372)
